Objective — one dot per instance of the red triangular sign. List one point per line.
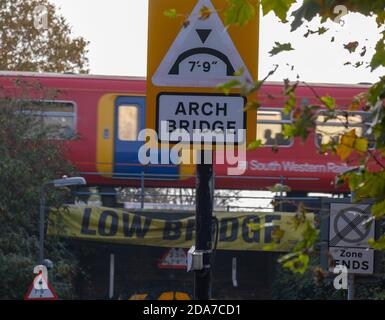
(175, 258)
(40, 289)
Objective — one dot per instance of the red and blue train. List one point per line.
(107, 112)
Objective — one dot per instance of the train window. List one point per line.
(270, 124)
(60, 116)
(328, 130)
(128, 122)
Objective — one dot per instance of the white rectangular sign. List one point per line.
(356, 260)
(204, 113)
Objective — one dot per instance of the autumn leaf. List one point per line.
(358, 102)
(277, 234)
(349, 143)
(280, 47)
(351, 46)
(345, 148)
(204, 13)
(186, 23)
(361, 145)
(27, 48)
(380, 18)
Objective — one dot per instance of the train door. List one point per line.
(129, 120)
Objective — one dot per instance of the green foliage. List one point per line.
(314, 284)
(376, 92)
(254, 145)
(303, 122)
(329, 102)
(280, 47)
(309, 285)
(226, 87)
(239, 12)
(372, 186)
(279, 7)
(367, 181)
(279, 187)
(378, 244)
(298, 260)
(170, 13)
(27, 160)
(307, 11)
(379, 57)
(319, 31)
(378, 209)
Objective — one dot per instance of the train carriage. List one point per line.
(106, 113)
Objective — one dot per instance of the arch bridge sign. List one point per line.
(188, 57)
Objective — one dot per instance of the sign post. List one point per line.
(189, 55)
(204, 216)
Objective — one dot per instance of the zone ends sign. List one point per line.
(349, 234)
(355, 260)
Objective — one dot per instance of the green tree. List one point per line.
(28, 159)
(28, 44)
(28, 156)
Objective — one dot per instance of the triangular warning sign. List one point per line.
(40, 289)
(202, 55)
(175, 258)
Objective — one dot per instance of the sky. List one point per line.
(117, 31)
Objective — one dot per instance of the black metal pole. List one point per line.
(204, 212)
(41, 225)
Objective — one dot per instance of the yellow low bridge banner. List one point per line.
(237, 231)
